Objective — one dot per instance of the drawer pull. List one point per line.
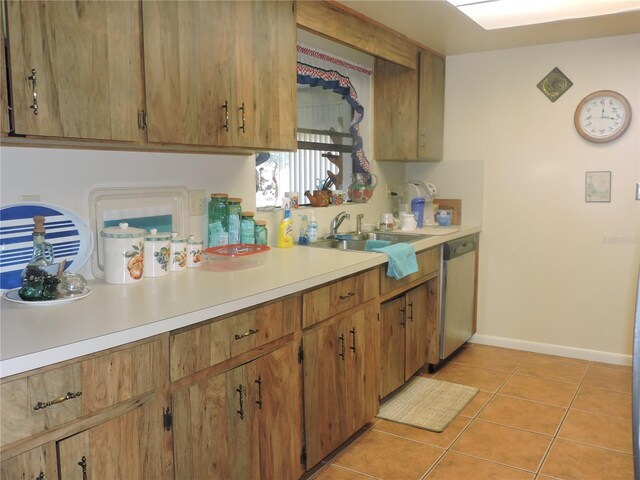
(68, 396)
(353, 339)
(83, 465)
(348, 295)
(32, 77)
(251, 331)
(225, 107)
(341, 338)
(259, 382)
(240, 395)
(244, 119)
(411, 314)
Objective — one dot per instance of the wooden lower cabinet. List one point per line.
(127, 446)
(340, 380)
(242, 424)
(409, 329)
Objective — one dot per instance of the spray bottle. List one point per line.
(285, 229)
(312, 228)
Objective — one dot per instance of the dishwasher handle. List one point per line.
(460, 246)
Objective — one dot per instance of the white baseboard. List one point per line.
(551, 349)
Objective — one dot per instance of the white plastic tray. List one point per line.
(164, 208)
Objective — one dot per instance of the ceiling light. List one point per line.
(494, 14)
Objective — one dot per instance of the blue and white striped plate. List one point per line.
(69, 235)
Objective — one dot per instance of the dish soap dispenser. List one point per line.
(285, 229)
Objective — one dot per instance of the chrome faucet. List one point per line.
(337, 221)
(359, 218)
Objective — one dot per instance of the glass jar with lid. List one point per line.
(234, 213)
(248, 228)
(217, 220)
(261, 233)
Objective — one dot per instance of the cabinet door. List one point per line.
(212, 428)
(36, 464)
(417, 332)
(86, 60)
(392, 345)
(431, 111)
(395, 111)
(189, 62)
(363, 353)
(324, 391)
(275, 383)
(128, 446)
(265, 74)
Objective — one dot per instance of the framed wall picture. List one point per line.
(597, 187)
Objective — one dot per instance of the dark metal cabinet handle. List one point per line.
(411, 314)
(83, 465)
(41, 476)
(403, 322)
(348, 295)
(341, 338)
(240, 394)
(251, 331)
(353, 339)
(68, 396)
(259, 382)
(32, 77)
(244, 119)
(225, 107)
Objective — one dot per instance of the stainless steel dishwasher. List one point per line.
(457, 302)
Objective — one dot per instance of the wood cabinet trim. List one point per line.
(340, 23)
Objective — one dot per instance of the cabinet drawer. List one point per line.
(205, 346)
(51, 397)
(428, 264)
(324, 302)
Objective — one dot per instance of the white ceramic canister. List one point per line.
(178, 253)
(156, 253)
(123, 254)
(194, 252)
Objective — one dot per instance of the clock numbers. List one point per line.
(602, 116)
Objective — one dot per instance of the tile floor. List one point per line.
(535, 417)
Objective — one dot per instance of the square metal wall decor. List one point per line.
(555, 84)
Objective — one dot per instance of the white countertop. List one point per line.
(33, 336)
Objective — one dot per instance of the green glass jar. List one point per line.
(234, 214)
(217, 220)
(261, 233)
(247, 228)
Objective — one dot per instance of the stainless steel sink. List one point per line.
(354, 241)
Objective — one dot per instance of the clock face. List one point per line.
(602, 116)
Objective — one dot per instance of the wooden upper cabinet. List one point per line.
(395, 111)
(221, 73)
(81, 63)
(431, 110)
(409, 109)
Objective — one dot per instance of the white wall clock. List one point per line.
(602, 116)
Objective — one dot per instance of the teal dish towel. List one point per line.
(370, 245)
(402, 259)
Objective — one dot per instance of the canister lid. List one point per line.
(123, 230)
(155, 236)
(234, 200)
(261, 222)
(176, 239)
(248, 214)
(219, 195)
(192, 240)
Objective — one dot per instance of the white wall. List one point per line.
(556, 273)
